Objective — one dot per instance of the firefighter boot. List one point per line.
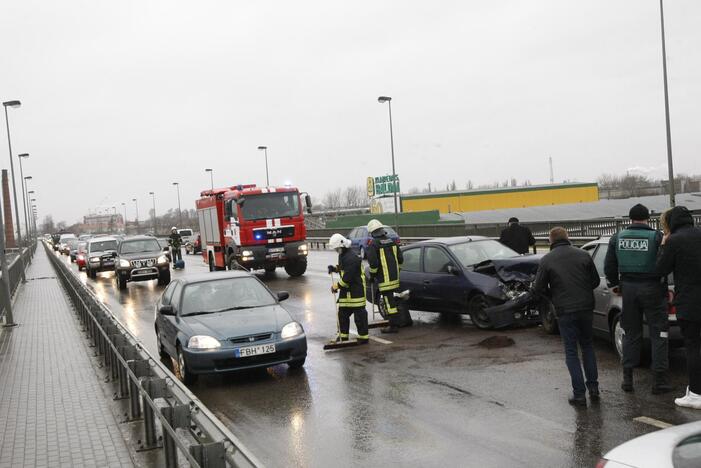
(661, 384)
(627, 385)
(393, 327)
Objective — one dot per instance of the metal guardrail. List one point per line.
(188, 429)
(15, 270)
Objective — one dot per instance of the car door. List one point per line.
(171, 322)
(442, 289)
(602, 293)
(411, 277)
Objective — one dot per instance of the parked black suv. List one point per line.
(141, 258)
(100, 255)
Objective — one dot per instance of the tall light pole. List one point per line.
(32, 222)
(388, 100)
(30, 202)
(24, 190)
(124, 207)
(13, 104)
(211, 176)
(267, 178)
(180, 213)
(26, 182)
(670, 165)
(153, 196)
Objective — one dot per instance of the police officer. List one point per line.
(176, 241)
(385, 258)
(630, 268)
(351, 289)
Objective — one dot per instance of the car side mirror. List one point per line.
(453, 270)
(166, 310)
(308, 201)
(282, 295)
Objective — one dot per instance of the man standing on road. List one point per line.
(517, 237)
(176, 242)
(681, 254)
(350, 288)
(630, 267)
(385, 258)
(567, 276)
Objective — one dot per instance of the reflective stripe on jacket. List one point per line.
(385, 259)
(352, 281)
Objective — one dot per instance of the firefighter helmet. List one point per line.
(375, 225)
(337, 241)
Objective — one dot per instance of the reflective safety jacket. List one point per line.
(352, 280)
(385, 259)
(175, 240)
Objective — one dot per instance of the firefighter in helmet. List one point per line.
(176, 242)
(385, 259)
(351, 289)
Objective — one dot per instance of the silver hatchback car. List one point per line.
(608, 307)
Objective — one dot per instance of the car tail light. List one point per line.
(368, 240)
(397, 241)
(671, 310)
(601, 463)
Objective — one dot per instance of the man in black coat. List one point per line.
(517, 237)
(567, 276)
(681, 254)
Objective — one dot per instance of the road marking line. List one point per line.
(380, 340)
(653, 422)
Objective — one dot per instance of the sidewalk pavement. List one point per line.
(53, 411)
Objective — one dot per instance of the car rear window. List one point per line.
(101, 246)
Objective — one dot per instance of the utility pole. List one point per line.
(552, 175)
(670, 165)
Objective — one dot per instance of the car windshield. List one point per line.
(101, 246)
(224, 294)
(185, 232)
(138, 246)
(270, 205)
(472, 253)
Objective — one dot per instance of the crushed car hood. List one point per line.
(518, 268)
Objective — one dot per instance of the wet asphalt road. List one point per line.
(432, 397)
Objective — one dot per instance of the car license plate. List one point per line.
(254, 350)
(276, 250)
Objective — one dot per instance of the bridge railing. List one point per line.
(174, 419)
(15, 268)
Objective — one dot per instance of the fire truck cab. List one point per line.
(249, 227)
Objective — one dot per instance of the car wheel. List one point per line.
(159, 344)
(362, 254)
(211, 262)
(164, 278)
(234, 265)
(181, 371)
(617, 334)
(475, 307)
(270, 269)
(548, 317)
(92, 274)
(121, 282)
(297, 364)
(296, 268)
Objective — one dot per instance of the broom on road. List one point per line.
(335, 344)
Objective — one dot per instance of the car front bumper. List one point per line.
(144, 273)
(224, 359)
(519, 311)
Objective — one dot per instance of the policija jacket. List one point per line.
(385, 258)
(352, 280)
(681, 255)
(632, 254)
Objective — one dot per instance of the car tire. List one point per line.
(92, 274)
(475, 307)
(296, 268)
(164, 278)
(234, 265)
(121, 282)
(617, 333)
(211, 262)
(159, 344)
(270, 269)
(362, 254)
(297, 363)
(180, 367)
(548, 317)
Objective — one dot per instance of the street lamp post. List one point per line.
(211, 176)
(153, 196)
(388, 100)
(136, 212)
(25, 184)
(180, 213)
(670, 166)
(24, 190)
(124, 207)
(13, 104)
(267, 178)
(32, 222)
(30, 202)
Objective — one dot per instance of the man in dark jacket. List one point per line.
(567, 276)
(385, 259)
(517, 237)
(350, 288)
(681, 254)
(630, 268)
(176, 242)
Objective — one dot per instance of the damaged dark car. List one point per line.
(473, 275)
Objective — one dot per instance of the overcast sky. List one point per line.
(120, 98)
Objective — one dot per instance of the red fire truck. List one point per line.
(244, 226)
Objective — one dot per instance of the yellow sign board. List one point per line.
(371, 187)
